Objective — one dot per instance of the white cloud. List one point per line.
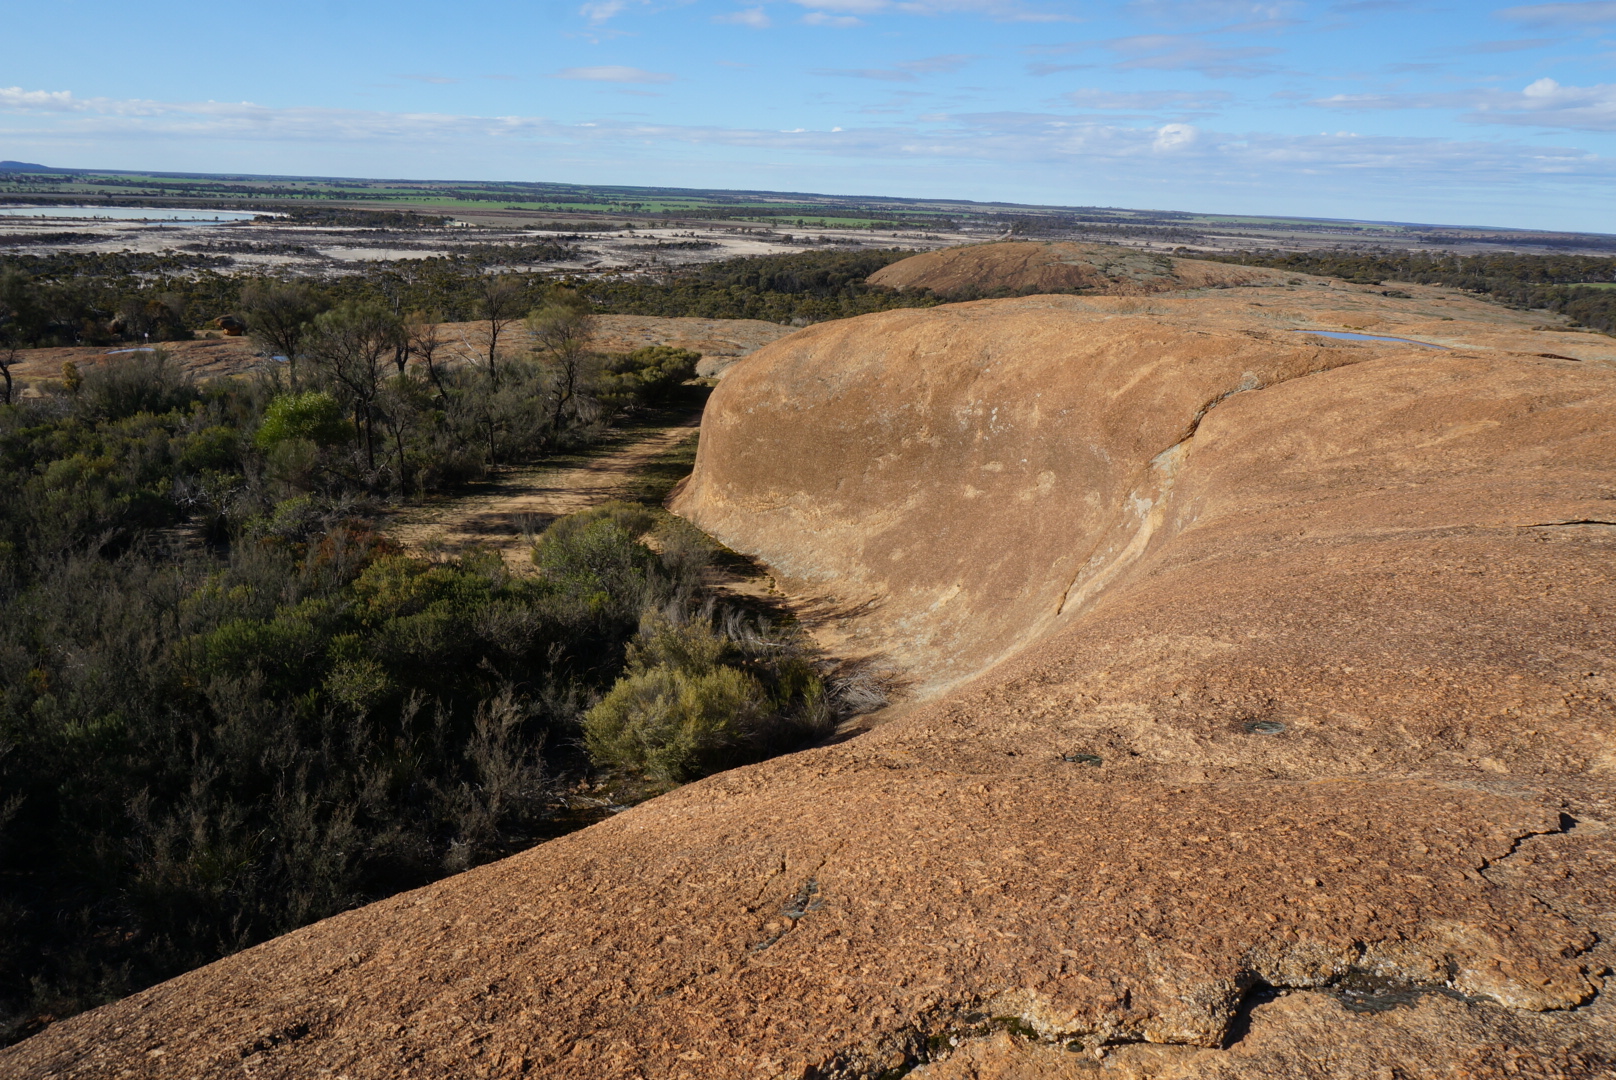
(1342, 168)
(1179, 11)
(879, 74)
(1543, 103)
(1591, 13)
(841, 22)
(950, 62)
(756, 18)
(615, 73)
(856, 7)
(1365, 102)
(16, 98)
(1488, 48)
(1174, 137)
(108, 119)
(598, 11)
(1007, 10)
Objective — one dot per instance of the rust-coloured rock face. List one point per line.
(1271, 733)
(1018, 267)
(977, 474)
(972, 470)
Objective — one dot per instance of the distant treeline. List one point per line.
(811, 286)
(539, 251)
(364, 219)
(1084, 227)
(51, 239)
(804, 217)
(572, 226)
(1546, 282)
(101, 298)
(1549, 240)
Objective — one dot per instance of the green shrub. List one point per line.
(213, 448)
(292, 464)
(142, 382)
(314, 416)
(596, 559)
(675, 726)
(634, 520)
(199, 752)
(695, 700)
(693, 647)
(203, 747)
(646, 376)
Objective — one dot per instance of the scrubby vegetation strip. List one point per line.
(98, 298)
(1575, 286)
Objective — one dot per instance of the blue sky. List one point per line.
(1468, 112)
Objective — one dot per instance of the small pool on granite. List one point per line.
(1345, 336)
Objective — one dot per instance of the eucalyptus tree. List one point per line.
(562, 331)
(501, 299)
(351, 345)
(423, 332)
(279, 315)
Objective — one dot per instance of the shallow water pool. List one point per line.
(1345, 336)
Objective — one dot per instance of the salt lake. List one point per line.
(129, 213)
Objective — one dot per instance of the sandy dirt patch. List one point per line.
(505, 513)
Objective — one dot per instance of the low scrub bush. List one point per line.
(314, 416)
(695, 699)
(145, 382)
(675, 725)
(202, 754)
(647, 376)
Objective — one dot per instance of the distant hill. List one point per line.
(25, 166)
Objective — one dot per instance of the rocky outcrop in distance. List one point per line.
(1022, 267)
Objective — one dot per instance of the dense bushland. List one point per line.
(810, 286)
(96, 298)
(229, 706)
(364, 219)
(1557, 283)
